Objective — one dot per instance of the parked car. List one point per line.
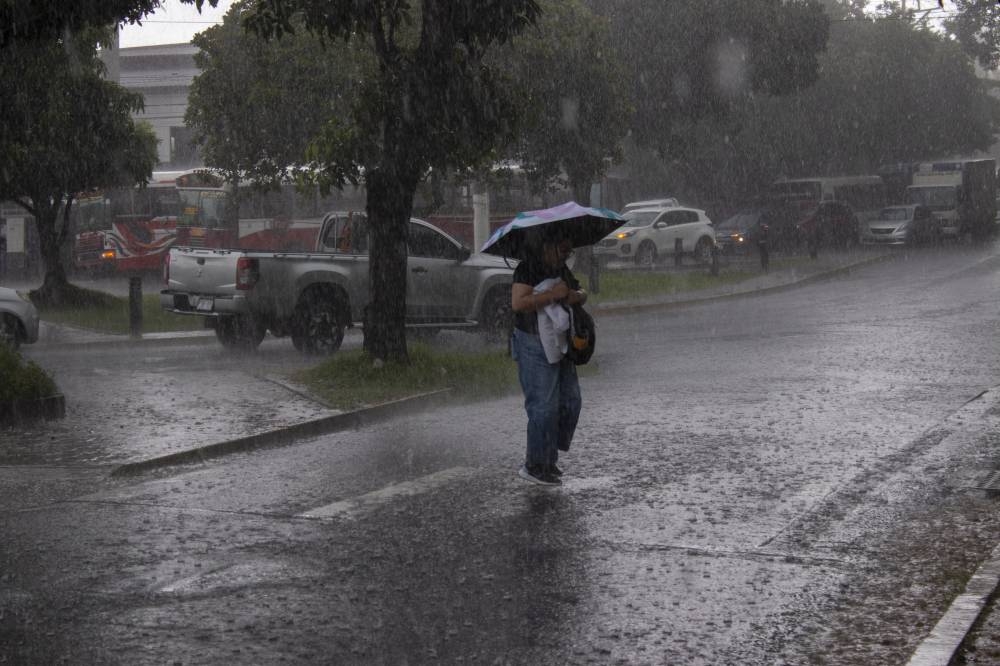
(775, 223)
(650, 203)
(651, 233)
(18, 319)
(902, 225)
(829, 224)
(313, 296)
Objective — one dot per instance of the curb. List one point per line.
(18, 412)
(945, 639)
(159, 339)
(947, 636)
(288, 435)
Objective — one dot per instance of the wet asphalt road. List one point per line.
(776, 479)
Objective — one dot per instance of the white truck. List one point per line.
(314, 296)
(960, 193)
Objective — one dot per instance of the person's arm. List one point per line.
(524, 299)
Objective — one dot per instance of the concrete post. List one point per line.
(135, 306)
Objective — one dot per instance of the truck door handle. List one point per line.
(418, 269)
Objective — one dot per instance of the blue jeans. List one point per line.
(551, 399)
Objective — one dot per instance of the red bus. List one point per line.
(129, 229)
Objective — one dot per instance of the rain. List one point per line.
(257, 295)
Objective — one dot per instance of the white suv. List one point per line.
(653, 232)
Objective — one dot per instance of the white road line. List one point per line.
(352, 507)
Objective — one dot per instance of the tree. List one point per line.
(431, 102)
(976, 26)
(695, 60)
(64, 130)
(889, 91)
(257, 105)
(573, 97)
(49, 20)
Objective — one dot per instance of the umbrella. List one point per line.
(581, 226)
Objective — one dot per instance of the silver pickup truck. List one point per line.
(314, 296)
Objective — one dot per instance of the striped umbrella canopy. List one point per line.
(580, 225)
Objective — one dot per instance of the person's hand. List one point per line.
(560, 291)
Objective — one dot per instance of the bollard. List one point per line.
(714, 270)
(678, 251)
(135, 306)
(595, 276)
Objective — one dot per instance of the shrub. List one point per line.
(21, 379)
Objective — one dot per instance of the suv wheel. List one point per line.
(703, 250)
(645, 255)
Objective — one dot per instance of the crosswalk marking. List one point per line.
(354, 506)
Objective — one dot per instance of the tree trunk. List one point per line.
(389, 204)
(55, 287)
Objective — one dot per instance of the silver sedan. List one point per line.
(18, 319)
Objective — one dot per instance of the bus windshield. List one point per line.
(936, 198)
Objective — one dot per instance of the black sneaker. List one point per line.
(555, 471)
(539, 476)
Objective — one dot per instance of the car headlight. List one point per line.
(621, 235)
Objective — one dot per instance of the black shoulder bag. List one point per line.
(582, 335)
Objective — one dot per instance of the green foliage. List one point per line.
(694, 60)
(889, 91)
(976, 26)
(257, 105)
(23, 380)
(573, 106)
(40, 20)
(64, 130)
(350, 379)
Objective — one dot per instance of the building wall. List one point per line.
(163, 74)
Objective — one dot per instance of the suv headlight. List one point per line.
(622, 235)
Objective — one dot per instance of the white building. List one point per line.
(163, 74)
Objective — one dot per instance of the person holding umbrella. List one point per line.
(542, 241)
(551, 390)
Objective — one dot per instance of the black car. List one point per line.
(741, 233)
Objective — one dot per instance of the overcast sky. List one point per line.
(173, 23)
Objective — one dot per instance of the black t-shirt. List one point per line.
(531, 273)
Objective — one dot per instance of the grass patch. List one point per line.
(109, 314)
(349, 380)
(22, 379)
(626, 285)
(632, 285)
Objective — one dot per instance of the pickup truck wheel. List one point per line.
(239, 333)
(497, 318)
(317, 328)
